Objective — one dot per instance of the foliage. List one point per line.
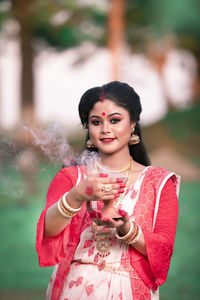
(61, 24)
(147, 20)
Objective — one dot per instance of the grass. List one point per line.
(22, 278)
(184, 274)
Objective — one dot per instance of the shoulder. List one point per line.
(157, 172)
(159, 177)
(73, 170)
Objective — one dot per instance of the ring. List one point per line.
(107, 188)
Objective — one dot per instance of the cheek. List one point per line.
(93, 132)
(125, 131)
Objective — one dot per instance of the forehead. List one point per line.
(107, 107)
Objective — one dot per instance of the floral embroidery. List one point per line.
(101, 265)
(72, 283)
(96, 258)
(88, 243)
(89, 289)
(79, 281)
(91, 251)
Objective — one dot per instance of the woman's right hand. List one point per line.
(96, 187)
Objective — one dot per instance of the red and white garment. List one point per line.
(81, 274)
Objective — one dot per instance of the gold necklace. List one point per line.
(102, 239)
(115, 171)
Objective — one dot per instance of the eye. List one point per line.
(115, 120)
(95, 122)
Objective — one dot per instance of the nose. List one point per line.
(105, 128)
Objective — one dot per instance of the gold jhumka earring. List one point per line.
(90, 144)
(134, 139)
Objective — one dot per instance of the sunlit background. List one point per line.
(51, 52)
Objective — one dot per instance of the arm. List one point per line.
(165, 227)
(160, 243)
(51, 249)
(87, 190)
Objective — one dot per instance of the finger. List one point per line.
(122, 212)
(93, 214)
(89, 207)
(118, 186)
(99, 214)
(124, 215)
(109, 197)
(96, 221)
(108, 180)
(103, 175)
(107, 223)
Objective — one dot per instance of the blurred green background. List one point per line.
(173, 142)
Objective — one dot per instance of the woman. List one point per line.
(109, 232)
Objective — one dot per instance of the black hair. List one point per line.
(125, 96)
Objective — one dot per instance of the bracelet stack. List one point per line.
(65, 209)
(133, 234)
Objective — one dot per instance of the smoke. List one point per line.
(19, 161)
(53, 143)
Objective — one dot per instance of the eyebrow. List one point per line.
(95, 116)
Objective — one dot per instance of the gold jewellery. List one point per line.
(134, 139)
(133, 234)
(114, 171)
(103, 239)
(90, 144)
(106, 188)
(65, 209)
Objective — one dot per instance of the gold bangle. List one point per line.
(138, 235)
(61, 211)
(67, 206)
(133, 236)
(126, 236)
(66, 211)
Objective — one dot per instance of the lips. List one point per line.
(107, 140)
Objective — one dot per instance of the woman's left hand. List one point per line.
(120, 222)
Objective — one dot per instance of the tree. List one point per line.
(37, 20)
(116, 25)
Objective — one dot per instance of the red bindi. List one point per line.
(89, 190)
(103, 114)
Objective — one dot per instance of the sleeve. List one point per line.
(160, 243)
(51, 249)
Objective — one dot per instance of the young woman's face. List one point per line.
(110, 127)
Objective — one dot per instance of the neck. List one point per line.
(116, 161)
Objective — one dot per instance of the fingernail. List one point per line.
(106, 219)
(119, 180)
(91, 214)
(116, 195)
(103, 175)
(95, 215)
(120, 190)
(122, 185)
(122, 212)
(99, 214)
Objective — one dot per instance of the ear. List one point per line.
(133, 126)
